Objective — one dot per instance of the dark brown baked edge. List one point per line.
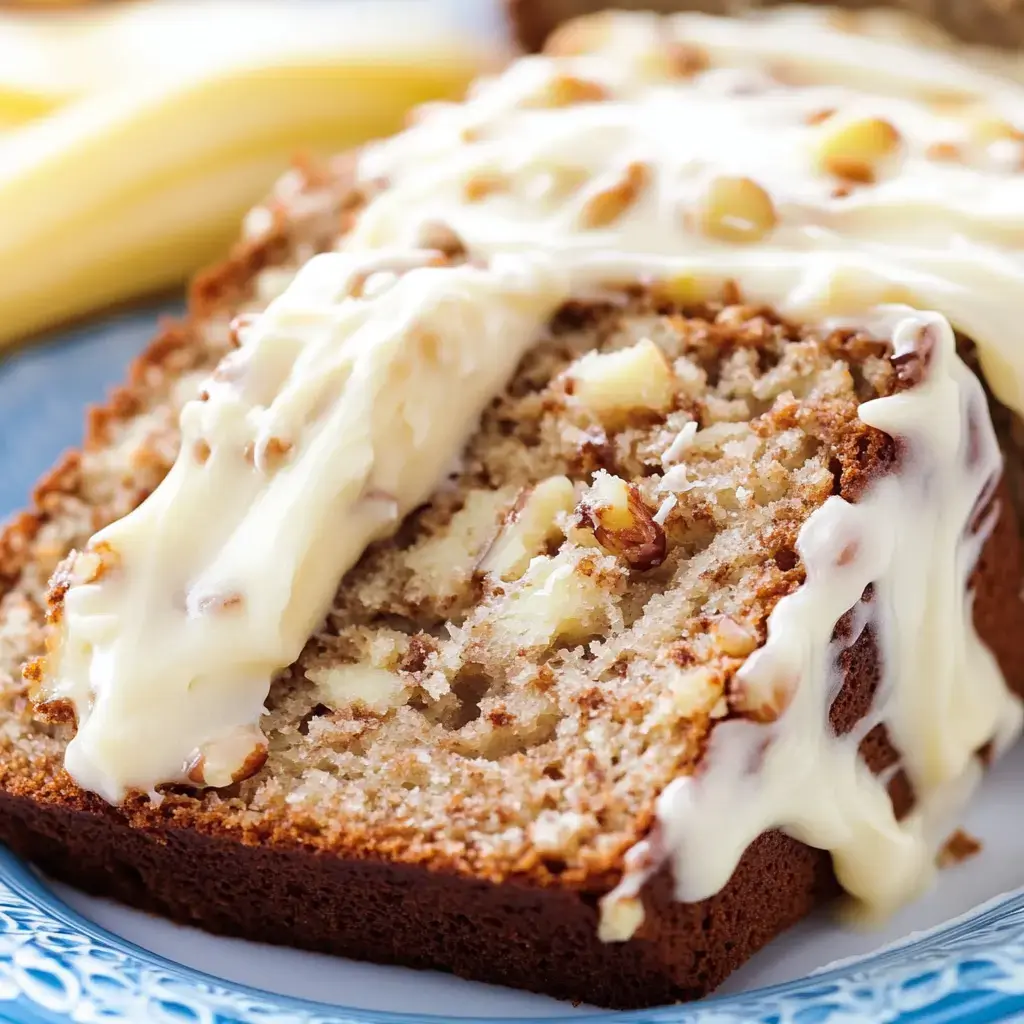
(991, 22)
(510, 934)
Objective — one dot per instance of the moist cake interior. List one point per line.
(510, 682)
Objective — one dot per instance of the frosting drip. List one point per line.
(899, 561)
(308, 443)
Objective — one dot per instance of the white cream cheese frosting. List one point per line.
(913, 540)
(312, 440)
(829, 174)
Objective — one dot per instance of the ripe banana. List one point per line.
(133, 139)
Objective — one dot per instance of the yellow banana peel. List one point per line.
(133, 159)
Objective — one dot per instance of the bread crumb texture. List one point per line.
(506, 686)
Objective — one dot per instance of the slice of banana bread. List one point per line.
(480, 731)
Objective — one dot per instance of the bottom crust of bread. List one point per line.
(544, 940)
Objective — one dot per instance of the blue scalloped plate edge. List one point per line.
(56, 966)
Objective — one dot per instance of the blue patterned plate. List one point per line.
(64, 964)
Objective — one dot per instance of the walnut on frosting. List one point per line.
(735, 209)
(605, 206)
(567, 91)
(233, 757)
(988, 128)
(855, 150)
(483, 184)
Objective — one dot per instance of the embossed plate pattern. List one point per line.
(57, 966)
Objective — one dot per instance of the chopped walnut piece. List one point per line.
(734, 638)
(228, 759)
(274, 452)
(761, 696)
(567, 91)
(622, 522)
(529, 526)
(855, 150)
(960, 846)
(736, 210)
(911, 365)
(560, 598)
(441, 238)
(948, 152)
(359, 685)
(483, 184)
(687, 59)
(614, 384)
(607, 205)
(720, 709)
(692, 690)
(731, 294)
(93, 564)
(56, 712)
(441, 564)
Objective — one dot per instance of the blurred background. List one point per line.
(134, 134)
